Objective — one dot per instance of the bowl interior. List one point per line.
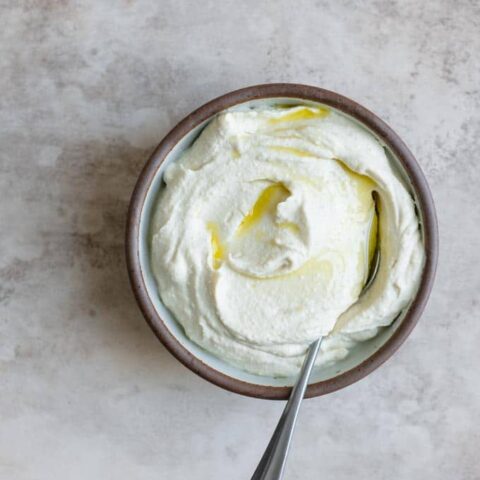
(359, 354)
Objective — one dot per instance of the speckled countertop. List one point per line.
(88, 88)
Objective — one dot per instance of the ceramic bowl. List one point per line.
(366, 356)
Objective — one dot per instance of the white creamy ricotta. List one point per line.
(262, 237)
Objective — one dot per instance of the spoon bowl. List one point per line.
(273, 461)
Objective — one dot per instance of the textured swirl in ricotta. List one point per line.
(264, 232)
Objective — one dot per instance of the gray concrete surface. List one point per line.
(87, 89)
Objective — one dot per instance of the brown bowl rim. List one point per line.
(304, 92)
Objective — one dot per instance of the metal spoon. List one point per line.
(272, 464)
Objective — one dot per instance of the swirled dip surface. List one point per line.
(263, 235)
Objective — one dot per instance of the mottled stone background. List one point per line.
(87, 89)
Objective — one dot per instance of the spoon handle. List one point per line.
(273, 461)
